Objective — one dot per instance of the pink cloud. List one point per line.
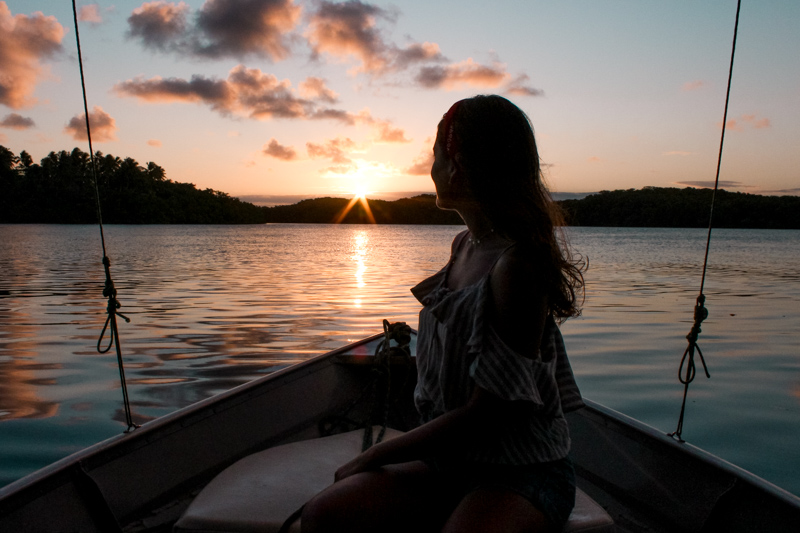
(17, 122)
(159, 25)
(155, 143)
(349, 29)
(274, 149)
(248, 92)
(25, 41)
(257, 95)
(421, 166)
(315, 89)
(221, 28)
(334, 149)
(709, 184)
(466, 73)
(103, 126)
(747, 120)
(386, 133)
(90, 13)
(233, 28)
(519, 87)
(693, 85)
(417, 53)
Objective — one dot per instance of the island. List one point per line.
(61, 190)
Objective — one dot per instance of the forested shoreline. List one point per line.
(60, 190)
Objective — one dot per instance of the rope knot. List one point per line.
(700, 314)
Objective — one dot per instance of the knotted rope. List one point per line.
(109, 291)
(700, 311)
(377, 393)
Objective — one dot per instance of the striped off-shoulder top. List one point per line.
(457, 349)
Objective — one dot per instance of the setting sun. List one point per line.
(360, 191)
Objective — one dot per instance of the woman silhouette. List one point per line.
(494, 380)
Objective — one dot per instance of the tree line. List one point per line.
(60, 189)
(683, 208)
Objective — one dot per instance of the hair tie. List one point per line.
(448, 130)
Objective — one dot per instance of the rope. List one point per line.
(385, 352)
(700, 311)
(395, 343)
(399, 332)
(109, 290)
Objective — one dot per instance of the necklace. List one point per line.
(475, 241)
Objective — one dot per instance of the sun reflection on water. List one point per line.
(359, 255)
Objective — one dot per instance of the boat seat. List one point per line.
(257, 493)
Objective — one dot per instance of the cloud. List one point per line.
(315, 89)
(159, 25)
(25, 41)
(386, 133)
(103, 126)
(677, 152)
(248, 92)
(465, 73)
(782, 192)
(693, 85)
(417, 53)
(745, 121)
(278, 151)
(257, 95)
(595, 159)
(155, 143)
(349, 29)
(17, 122)
(709, 184)
(755, 122)
(220, 29)
(90, 13)
(519, 87)
(334, 149)
(422, 164)
(234, 28)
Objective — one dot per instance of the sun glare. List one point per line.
(360, 192)
(359, 196)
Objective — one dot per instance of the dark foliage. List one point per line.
(417, 210)
(61, 190)
(683, 208)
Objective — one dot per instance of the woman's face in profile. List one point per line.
(440, 175)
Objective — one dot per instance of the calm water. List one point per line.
(212, 307)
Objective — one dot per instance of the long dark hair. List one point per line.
(493, 143)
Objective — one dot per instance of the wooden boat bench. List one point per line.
(257, 493)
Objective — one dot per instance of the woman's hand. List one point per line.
(362, 463)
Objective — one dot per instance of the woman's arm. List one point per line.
(474, 421)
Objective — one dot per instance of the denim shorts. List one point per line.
(550, 487)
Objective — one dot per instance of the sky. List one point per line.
(273, 101)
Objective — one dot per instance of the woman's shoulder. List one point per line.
(519, 263)
(519, 298)
(458, 241)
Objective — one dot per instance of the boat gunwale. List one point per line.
(628, 423)
(31, 486)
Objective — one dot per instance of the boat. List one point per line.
(631, 477)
